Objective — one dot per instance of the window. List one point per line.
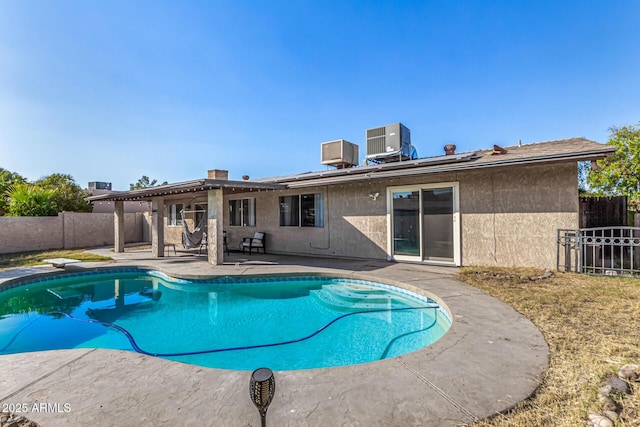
(290, 211)
(306, 210)
(173, 214)
(242, 212)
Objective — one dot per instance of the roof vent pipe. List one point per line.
(450, 149)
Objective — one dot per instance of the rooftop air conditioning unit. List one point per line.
(339, 153)
(389, 143)
(97, 185)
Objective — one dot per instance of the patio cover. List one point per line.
(156, 195)
(147, 194)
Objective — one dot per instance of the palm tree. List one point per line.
(31, 200)
(7, 179)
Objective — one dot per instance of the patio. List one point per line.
(489, 360)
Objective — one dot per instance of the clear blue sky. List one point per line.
(112, 90)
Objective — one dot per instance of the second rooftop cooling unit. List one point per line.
(98, 185)
(339, 153)
(390, 143)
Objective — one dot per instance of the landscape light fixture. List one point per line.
(262, 387)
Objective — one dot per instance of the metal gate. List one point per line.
(602, 250)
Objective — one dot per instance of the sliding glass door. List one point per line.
(406, 223)
(437, 224)
(424, 223)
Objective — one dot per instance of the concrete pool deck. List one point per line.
(489, 360)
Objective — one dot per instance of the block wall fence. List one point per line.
(68, 230)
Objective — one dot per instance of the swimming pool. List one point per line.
(286, 323)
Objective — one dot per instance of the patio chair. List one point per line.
(204, 244)
(256, 242)
(224, 241)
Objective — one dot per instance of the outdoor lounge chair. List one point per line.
(204, 243)
(256, 242)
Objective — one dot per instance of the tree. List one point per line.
(620, 173)
(68, 195)
(7, 180)
(31, 200)
(145, 182)
(583, 175)
(47, 196)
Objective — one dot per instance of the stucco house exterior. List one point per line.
(494, 207)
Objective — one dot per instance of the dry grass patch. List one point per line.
(592, 325)
(25, 259)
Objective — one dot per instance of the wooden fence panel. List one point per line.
(603, 211)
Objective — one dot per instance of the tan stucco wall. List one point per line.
(68, 230)
(511, 217)
(354, 224)
(173, 234)
(508, 216)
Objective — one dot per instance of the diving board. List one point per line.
(61, 262)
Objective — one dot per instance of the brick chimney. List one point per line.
(218, 174)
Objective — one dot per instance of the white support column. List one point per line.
(157, 227)
(118, 227)
(215, 249)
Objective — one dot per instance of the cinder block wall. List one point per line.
(68, 230)
(81, 230)
(20, 233)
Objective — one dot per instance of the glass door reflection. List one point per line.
(437, 224)
(406, 223)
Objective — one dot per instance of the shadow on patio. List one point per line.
(186, 261)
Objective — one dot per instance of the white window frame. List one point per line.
(173, 214)
(318, 198)
(244, 222)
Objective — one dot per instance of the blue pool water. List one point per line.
(284, 323)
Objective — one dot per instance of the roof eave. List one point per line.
(369, 169)
(186, 187)
(458, 167)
